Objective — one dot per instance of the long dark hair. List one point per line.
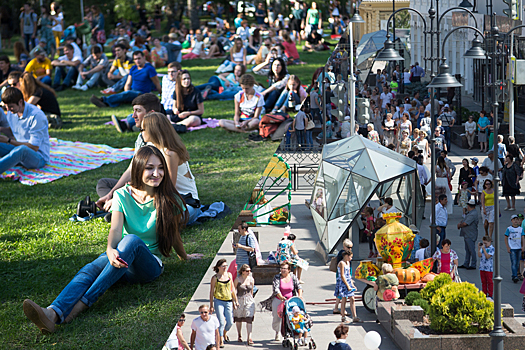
(168, 202)
(283, 73)
(181, 91)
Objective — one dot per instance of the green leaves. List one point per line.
(430, 289)
(461, 308)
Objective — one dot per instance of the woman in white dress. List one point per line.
(422, 143)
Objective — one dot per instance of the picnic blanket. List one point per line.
(68, 158)
(206, 123)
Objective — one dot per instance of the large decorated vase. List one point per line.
(394, 241)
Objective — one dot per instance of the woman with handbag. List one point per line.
(157, 131)
(286, 251)
(285, 285)
(223, 298)
(147, 216)
(245, 248)
(245, 312)
(447, 259)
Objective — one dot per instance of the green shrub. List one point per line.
(423, 304)
(411, 297)
(430, 289)
(460, 308)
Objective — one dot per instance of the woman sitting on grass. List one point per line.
(238, 52)
(278, 78)
(188, 106)
(297, 92)
(248, 106)
(228, 81)
(197, 51)
(35, 92)
(290, 50)
(147, 217)
(159, 54)
(157, 131)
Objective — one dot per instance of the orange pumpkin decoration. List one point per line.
(407, 276)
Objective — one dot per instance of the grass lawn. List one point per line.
(41, 250)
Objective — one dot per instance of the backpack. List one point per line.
(269, 124)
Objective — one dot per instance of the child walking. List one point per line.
(463, 197)
(369, 230)
(345, 288)
(515, 242)
(486, 265)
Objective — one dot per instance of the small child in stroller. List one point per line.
(298, 321)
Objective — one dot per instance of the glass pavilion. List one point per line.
(353, 172)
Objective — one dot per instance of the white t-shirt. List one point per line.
(248, 107)
(481, 180)
(406, 78)
(470, 127)
(59, 18)
(199, 45)
(385, 98)
(244, 33)
(420, 254)
(205, 331)
(514, 236)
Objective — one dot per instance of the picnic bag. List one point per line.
(333, 264)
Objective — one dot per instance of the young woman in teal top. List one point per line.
(147, 217)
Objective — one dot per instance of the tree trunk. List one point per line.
(193, 14)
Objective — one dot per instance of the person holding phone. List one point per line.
(147, 216)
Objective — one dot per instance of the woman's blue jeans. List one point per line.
(224, 312)
(283, 98)
(224, 96)
(271, 98)
(309, 138)
(214, 83)
(96, 277)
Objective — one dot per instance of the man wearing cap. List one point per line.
(40, 66)
(417, 72)
(66, 67)
(447, 121)
(41, 44)
(515, 242)
(468, 227)
(489, 162)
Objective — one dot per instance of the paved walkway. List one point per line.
(320, 281)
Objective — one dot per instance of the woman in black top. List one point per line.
(39, 94)
(466, 173)
(188, 107)
(514, 150)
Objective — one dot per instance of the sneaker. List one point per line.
(205, 92)
(120, 126)
(77, 87)
(98, 102)
(490, 299)
(84, 88)
(515, 279)
(108, 91)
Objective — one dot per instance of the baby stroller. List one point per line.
(288, 328)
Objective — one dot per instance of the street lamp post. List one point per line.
(356, 18)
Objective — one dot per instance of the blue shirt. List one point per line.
(141, 78)
(483, 122)
(32, 128)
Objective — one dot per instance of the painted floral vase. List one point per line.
(366, 269)
(394, 241)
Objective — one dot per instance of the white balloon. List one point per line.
(372, 340)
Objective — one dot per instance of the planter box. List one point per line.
(397, 320)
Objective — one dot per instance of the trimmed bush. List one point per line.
(423, 304)
(430, 289)
(460, 308)
(412, 297)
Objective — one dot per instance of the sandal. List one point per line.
(250, 342)
(357, 320)
(343, 319)
(239, 339)
(336, 311)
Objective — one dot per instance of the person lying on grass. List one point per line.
(248, 106)
(147, 218)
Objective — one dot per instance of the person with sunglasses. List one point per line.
(176, 339)
(245, 312)
(204, 330)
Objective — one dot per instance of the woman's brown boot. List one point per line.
(78, 308)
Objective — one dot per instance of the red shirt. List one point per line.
(290, 50)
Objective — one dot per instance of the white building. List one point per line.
(457, 44)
